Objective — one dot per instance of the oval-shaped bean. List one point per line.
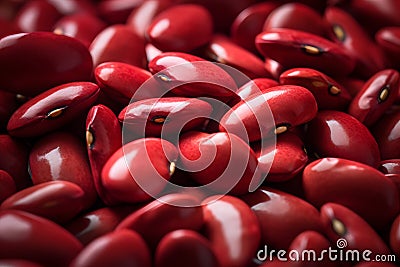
(118, 43)
(29, 237)
(296, 16)
(123, 248)
(390, 166)
(52, 109)
(337, 134)
(121, 81)
(376, 96)
(395, 236)
(97, 223)
(185, 248)
(352, 184)
(165, 116)
(222, 161)
(341, 222)
(163, 215)
(126, 181)
(62, 156)
(347, 32)
(388, 38)
(293, 49)
(58, 201)
(7, 185)
(103, 138)
(25, 71)
(274, 111)
(188, 75)
(328, 93)
(282, 216)
(387, 134)
(174, 29)
(221, 215)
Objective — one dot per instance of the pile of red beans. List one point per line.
(199, 132)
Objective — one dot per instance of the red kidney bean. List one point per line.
(37, 15)
(348, 33)
(296, 16)
(117, 11)
(223, 50)
(83, 27)
(52, 109)
(388, 39)
(118, 43)
(289, 105)
(103, 138)
(390, 166)
(152, 51)
(249, 23)
(283, 160)
(222, 214)
(255, 86)
(294, 49)
(387, 134)
(126, 181)
(29, 237)
(273, 67)
(191, 76)
(8, 105)
(62, 156)
(395, 236)
(18, 263)
(341, 222)
(122, 248)
(222, 161)
(7, 185)
(351, 184)
(376, 96)
(328, 93)
(62, 59)
(7, 27)
(94, 224)
(164, 215)
(185, 248)
(352, 85)
(14, 160)
(58, 201)
(337, 134)
(175, 30)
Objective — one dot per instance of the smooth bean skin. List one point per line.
(58, 201)
(52, 109)
(394, 240)
(232, 229)
(282, 216)
(255, 86)
(174, 211)
(118, 43)
(328, 93)
(341, 222)
(290, 105)
(294, 49)
(390, 166)
(351, 184)
(387, 134)
(123, 248)
(7, 185)
(115, 11)
(388, 38)
(24, 71)
(125, 181)
(337, 134)
(376, 96)
(185, 248)
(29, 237)
(62, 156)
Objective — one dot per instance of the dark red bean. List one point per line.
(117, 11)
(395, 236)
(388, 39)
(337, 134)
(118, 43)
(29, 237)
(7, 185)
(18, 263)
(375, 264)
(289, 105)
(348, 33)
(328, 93)
(62, 156)
(122, 248)
(164, 215)
(7, 27)
(390, 166)
(282, 216)
(376, 96)
(232, 248)
(126, 181)
(52, 109)
(387, 134)
(25, 71)
(351, 184)
(294, 49)
(352, 85)
(8, 105)
(185, 248)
